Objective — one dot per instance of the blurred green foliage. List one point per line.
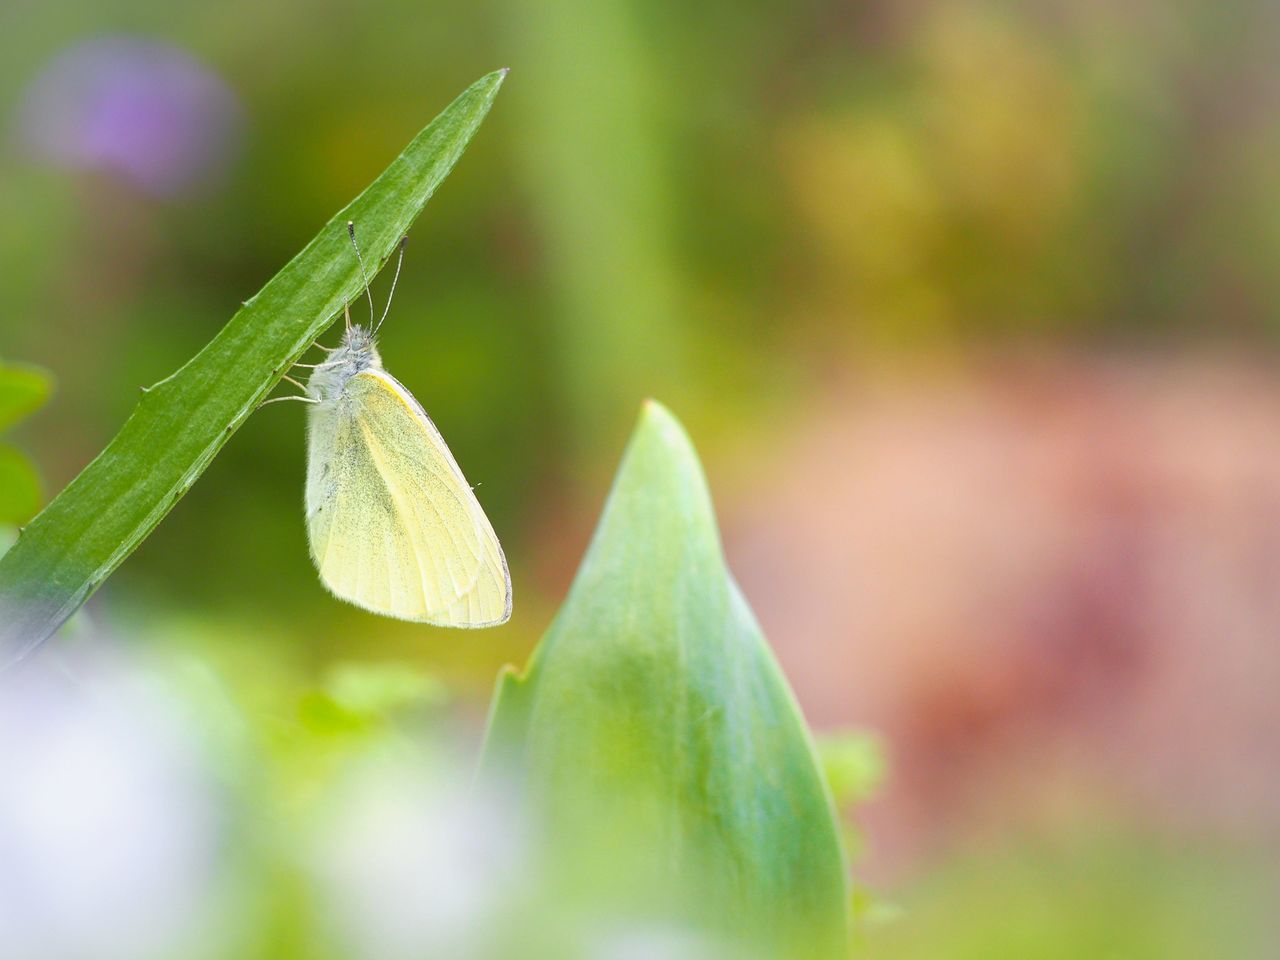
(1086, 893)
(854, 763)
(19, 487)
(23, 390)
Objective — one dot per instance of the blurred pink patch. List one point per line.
(1051, 584)
(144, 111)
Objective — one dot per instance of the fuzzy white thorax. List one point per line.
(357, 352)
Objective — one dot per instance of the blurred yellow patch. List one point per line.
(1001, 119)
(929, 202)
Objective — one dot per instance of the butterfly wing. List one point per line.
(393, 524)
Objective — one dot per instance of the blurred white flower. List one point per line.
(654, 942)
(106, 825)
(414, 860)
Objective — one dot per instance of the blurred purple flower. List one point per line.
(142, 110)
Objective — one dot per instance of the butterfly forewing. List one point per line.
(393, 524)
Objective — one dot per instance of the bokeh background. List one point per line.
(970, 307)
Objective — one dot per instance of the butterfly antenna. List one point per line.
(404, 241)
(351, 232)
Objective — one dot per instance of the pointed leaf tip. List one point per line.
(654, 722)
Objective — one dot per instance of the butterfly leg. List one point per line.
(290, 397)
(304, 398)
(318, 366)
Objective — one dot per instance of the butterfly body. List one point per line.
(357, 352)
(393, 525)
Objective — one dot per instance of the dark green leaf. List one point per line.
(655, 734)
(182, 422)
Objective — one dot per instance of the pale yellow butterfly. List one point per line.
(394, 526)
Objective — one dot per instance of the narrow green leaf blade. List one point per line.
(182, 422)
(653, 719)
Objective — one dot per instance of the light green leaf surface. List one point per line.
(655, 735)
(23, 390)
(182, 422)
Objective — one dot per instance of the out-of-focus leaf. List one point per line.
(380, 688)
(23, 390)
(854, 764)
(360, 696)
(183, 421)
(655, 733)
(19, 487)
